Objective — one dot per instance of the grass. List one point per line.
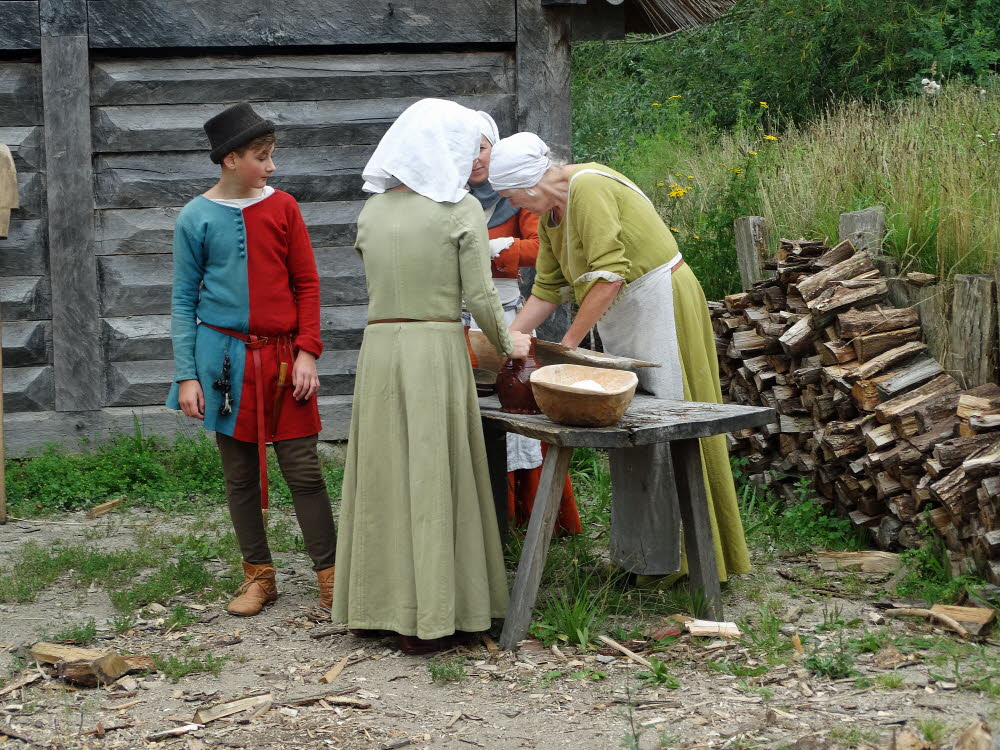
(931, 161)
(659, 675)
(932, 729)
(180, 618)
(889, 681)
(77, 635)
(447, 670)
(175, 668)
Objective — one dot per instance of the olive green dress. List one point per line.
(613, 233)
(418, 549)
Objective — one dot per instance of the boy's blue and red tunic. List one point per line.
(251, 271)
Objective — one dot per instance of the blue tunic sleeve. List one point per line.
(189, 270)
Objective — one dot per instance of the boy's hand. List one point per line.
(305, 381)
(192, 399)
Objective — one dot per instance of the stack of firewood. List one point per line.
(882, 432)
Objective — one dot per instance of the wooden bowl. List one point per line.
(562, 403)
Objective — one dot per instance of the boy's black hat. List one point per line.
(234, 127)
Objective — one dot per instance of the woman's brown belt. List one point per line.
(283, 344)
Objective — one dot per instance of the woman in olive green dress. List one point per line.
(603, 241)
(419, 552)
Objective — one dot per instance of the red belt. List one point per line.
(283, 344)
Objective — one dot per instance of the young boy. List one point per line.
(245, 326)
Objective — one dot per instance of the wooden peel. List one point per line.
(551, 353)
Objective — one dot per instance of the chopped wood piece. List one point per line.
(176, 732)
(921, 279)
(876, 320)
(630, 654)
(948, 622)
(811, 286)
(81, 666)
(205, 715)
(869, 347)
(952, 452)
(870, 561)
(799, 337)
(977, 620)
(887, 359)
(909, 402)
(840, 298)
(334, 671)
(19, 682)
(106, 507)
(835, 255)
(984, 461)
(711, 627)
(983, 399)
(983, 422)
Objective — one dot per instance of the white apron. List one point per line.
(640, 323)
(522, 452)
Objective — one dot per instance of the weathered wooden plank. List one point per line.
(259, 23)
(865, 229)
(140, 383)
(19, 25)
(134, 231)
(972, 347)
(648, 420)
(300, 124)
(703, 575)
(27, 433)
(288, 78)
(31, 194)
(543, 73)
(136, 337)
(27, 146)
(69, 182)
(536, 546)
(752, 243)
(342, 327)
(20, 93)
(135, 284)
(27, 389)
(341, 277)
(26, 343)
(24, 298)
(24, 253)
(645, 517)
(170, 179)
(63, 17)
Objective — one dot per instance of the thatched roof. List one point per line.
(665, 16)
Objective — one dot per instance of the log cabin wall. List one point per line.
(102, 103)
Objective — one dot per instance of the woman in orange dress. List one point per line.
(514, 245)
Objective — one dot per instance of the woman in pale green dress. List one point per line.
(419, 552)
(603, 242)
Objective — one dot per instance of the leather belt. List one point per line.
(254, 345)
(415, 320)
(676, 265)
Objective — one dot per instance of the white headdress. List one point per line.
(490, 129)
(429, 148)
(518, 161)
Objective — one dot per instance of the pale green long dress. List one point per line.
(418, 550)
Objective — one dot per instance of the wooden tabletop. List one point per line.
(648, 420)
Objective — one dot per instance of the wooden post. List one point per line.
(8, 200)
(752, 243)
(536, 545)
(645, 521)
(972, 347)
(865, 229)
(703, 573)
(76, 350)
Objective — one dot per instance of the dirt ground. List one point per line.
(532, 698)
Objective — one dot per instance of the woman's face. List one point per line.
(481, 166)
(532, 200)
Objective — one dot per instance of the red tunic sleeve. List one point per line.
(523, 227)
(304, 279)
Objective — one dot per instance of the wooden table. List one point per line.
(640, 479)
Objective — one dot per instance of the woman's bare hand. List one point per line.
(521, 342)
(191, 399)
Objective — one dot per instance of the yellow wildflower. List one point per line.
(678, 192)
(656, 104)
(659, 184)
(696, 236)
(676, 96)
(736, 170)
(770, 137)
(690, 176)
(752, 152)
(674, 229)
(763, 105)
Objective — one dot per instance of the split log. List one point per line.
(838, 254)
(835, 352)
(218, 711)
(909, 402)
(954, 451)
(984, 461)
(865, 562)
(984, 422)
(953, 491)
(841, 298)
(869, 347)
(80, 665)
(877, 320)
(887, 359)
(810, 287)
(911, 375)
(977, 620)
(799, 337)
(930, 614)
(983, 399)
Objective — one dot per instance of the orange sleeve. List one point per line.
(527, 243)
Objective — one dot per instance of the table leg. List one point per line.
(703, 575)
(536, 546)
(645, 522)
(496, 458)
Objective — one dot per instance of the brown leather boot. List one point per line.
(325, 580)
(258, 590)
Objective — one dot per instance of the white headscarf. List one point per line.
(490, 129)
(518, 161)
(430, 149)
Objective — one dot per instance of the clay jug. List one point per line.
(514, 386)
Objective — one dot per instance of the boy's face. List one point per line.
(253, 167)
